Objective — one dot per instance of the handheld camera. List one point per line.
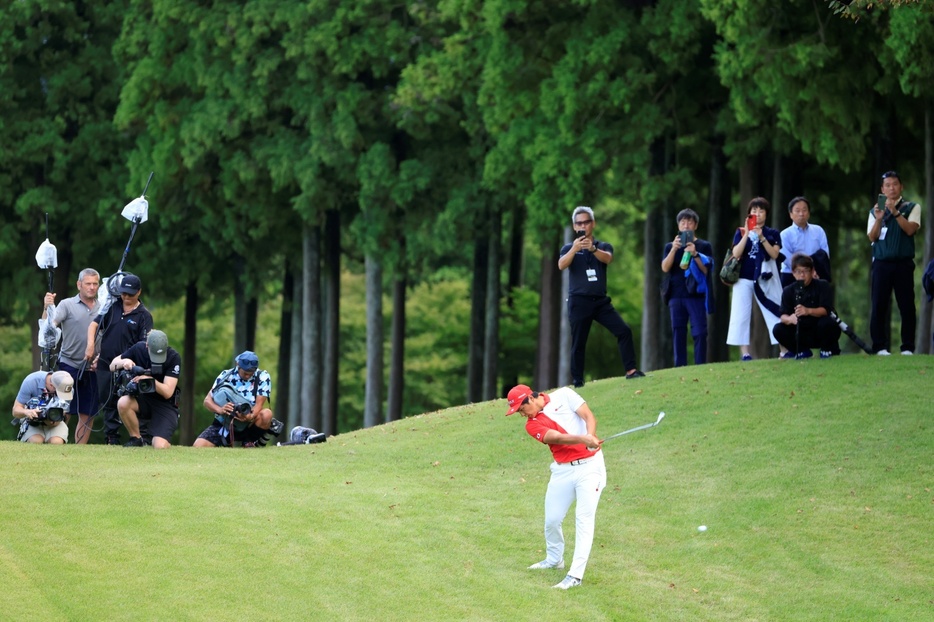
(127, 386)
(50, 412)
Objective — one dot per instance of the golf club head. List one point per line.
(661, 416)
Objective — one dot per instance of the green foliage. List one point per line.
(452, 504)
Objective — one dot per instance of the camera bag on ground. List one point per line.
(729, 273)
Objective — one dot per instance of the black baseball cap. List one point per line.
(130, 284)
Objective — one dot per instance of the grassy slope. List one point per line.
(813, 477)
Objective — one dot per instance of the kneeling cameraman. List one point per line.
(42, 404)
(805, 320)
(238, 401)
(149, 390)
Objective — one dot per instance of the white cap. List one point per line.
(64, 385)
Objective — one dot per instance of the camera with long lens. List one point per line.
(244, 408)
(126, 385)
(50, 412)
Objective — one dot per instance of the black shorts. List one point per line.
(218, 434)
(162, 416)
(85, 398)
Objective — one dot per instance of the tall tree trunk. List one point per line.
(374, 342)
(311, 328)
(240, 307)
(564, 325)
(332, 298)
(549, 320)
(491, 315)
(477, 316)
(296, 367)
(397, 351)
(252, 312)
(509, 375)
(283, 380)
(516, 246)
(778, 215)
(924, 338)
(718, 235)
(187, 433)
(652, 355)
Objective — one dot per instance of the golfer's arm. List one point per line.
(586, 414)
(553, 437)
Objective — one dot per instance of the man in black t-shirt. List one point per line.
(125, 322)
(805, 320)
(586, 260)
(160, 368)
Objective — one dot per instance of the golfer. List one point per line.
(564, 422)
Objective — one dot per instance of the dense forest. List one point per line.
(372, 194)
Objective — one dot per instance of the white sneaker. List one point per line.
(545, 564)
(883, 353)
(907, 352)
(567, 583)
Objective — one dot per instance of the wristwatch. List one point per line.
(594, 249)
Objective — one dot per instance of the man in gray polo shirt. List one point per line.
(74, 315)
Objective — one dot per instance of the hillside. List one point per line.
(813, 477)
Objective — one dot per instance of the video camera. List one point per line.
(127, 386)
(50, 412)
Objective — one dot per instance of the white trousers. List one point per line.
(744, 295)
(583, 483)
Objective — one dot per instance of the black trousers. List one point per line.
(583, 311)
(888, 277)
(823, 334)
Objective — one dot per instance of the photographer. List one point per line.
(586, 260)
(238, 401)
(42, 404)
(805, 322)
(149, 390)
(687, 260)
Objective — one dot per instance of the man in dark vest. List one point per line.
(892, 225)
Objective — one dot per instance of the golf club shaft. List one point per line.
(636, 429)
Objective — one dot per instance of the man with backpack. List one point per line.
(238, 400)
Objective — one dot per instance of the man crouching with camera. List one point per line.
(238, 400)
(149, 389)
(42, 405)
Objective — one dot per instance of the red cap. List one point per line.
(516, 396)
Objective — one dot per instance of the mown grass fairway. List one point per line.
(814, 479)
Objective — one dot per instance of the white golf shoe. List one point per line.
(545, 564)
(567, 583)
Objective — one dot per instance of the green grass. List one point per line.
(814, 479)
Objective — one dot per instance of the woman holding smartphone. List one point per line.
(757, 247)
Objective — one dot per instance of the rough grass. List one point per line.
(813, 477)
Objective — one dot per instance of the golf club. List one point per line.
(661, 416)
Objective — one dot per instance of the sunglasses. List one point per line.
(888, 174)
(581, 223)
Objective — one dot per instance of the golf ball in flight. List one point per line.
(702, 528)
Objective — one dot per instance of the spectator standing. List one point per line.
(803, 237)
(757, 248)
(689, 289)
(587, 261)
(893, 223)
(74, 315)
